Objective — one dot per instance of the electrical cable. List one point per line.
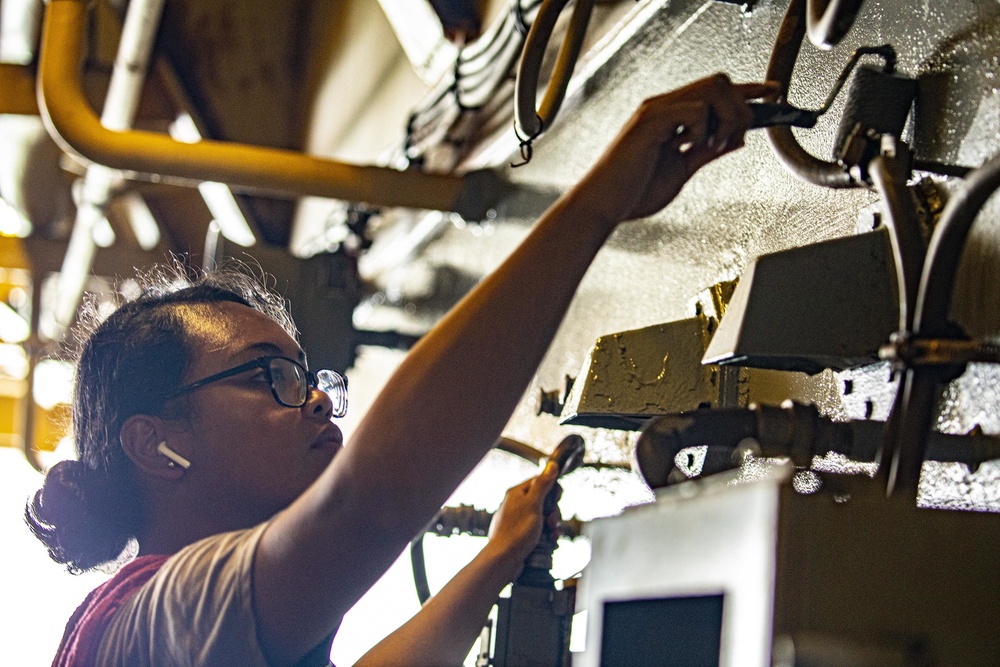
(481, 70)
(419, 569)
(473, 63)
(529, 120)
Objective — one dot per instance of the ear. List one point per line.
(141, 436)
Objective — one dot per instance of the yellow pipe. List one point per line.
(17, 90)
(78, 130)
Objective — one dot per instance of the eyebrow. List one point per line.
(269, 349)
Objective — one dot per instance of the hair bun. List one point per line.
(70, 514)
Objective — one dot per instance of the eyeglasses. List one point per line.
(290, 382)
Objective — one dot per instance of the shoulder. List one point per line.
(90, 622)
(196, 607)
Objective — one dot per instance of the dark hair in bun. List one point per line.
(89, 511)
(82, 518)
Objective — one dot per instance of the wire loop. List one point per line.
(524, 143)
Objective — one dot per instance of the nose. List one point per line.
(318, 404)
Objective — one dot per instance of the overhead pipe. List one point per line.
(18, 85)
(74, 125)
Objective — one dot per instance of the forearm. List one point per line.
(444, 630)
(449, 400)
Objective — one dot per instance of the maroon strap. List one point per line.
(87, 625)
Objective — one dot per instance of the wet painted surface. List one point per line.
(747, 204)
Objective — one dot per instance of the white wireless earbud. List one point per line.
(175, 458)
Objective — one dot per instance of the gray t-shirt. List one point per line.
(197, 610)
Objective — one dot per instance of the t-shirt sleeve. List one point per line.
(197, 610)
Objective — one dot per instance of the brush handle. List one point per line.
(766, 114)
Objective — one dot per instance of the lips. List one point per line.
(329, 437)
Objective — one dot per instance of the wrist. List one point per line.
(588, 217)
(505, 563)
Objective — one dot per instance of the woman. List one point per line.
(202, 437)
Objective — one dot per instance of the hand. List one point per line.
(667, 140)
(517, 525)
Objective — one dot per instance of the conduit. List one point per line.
(530, 122)
(904, 454)
(946, 245)
(793, 431)
(779, 68)
(78, 130)
(889, 174)
(829, 20)
(120, 106)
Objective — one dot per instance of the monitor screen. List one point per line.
(675, 631)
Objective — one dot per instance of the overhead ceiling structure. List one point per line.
(155, 130)
(249, 101)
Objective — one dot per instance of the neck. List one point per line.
(172, 524)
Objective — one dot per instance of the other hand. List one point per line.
(517, 525)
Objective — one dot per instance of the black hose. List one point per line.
(945, 250)
(509, 445)
(889, 175)
(419, 569)
(941, 168)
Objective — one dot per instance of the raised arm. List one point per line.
(446, 404)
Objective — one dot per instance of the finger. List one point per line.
(731, 110)
(702, 154)
(686, 125)
(543, 483)
(519, 491)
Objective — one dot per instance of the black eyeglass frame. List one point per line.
(312, 380)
